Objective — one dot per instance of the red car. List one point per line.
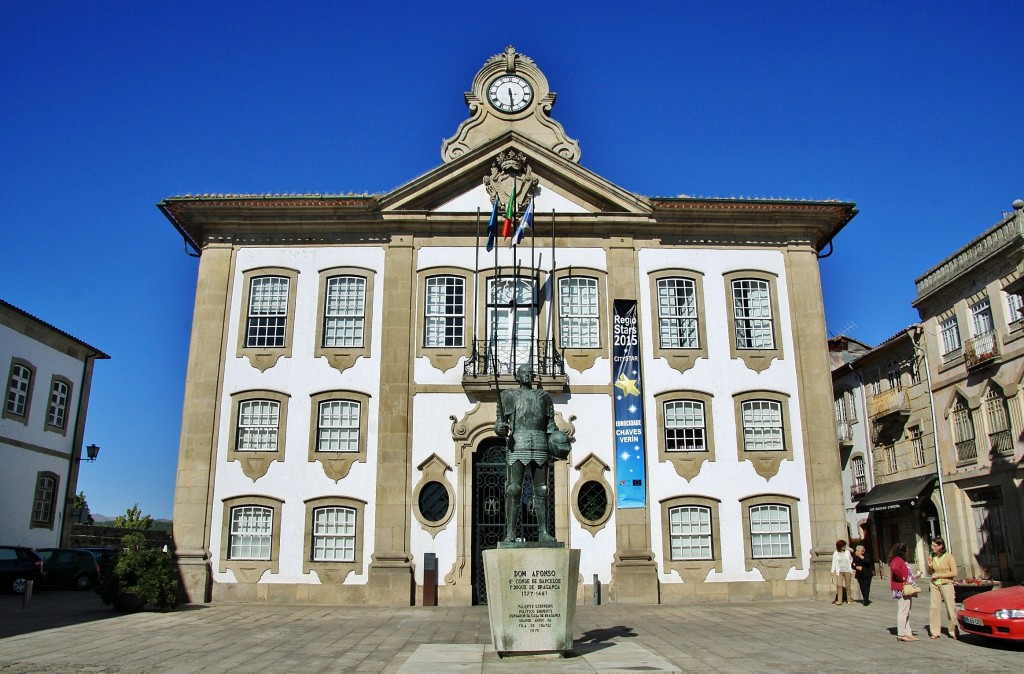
(997, 613)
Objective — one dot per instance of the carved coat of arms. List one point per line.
(510, 169)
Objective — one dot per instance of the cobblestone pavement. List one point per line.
(74, 632)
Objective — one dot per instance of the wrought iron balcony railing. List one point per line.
(490, 358)
(893, 401)
(981, 349)
(857, 491)
(1001, 442)
(966, 452)
(845, 432)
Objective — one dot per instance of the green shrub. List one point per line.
(141, 576)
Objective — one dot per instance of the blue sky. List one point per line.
(910, 109)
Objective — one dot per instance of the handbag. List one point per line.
(911, 590)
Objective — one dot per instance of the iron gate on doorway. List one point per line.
(489, 474)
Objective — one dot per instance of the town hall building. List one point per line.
(338, 440)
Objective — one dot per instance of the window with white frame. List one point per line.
(44, 500)
(860, 479)
(334, 534)
(981, 318)
(18, 389)
(752, 312)
(771, 533)
(685, 429)
(841, 415)
(690, 533)
(917, 444)
(950, 335)
(267, 321)
(251, 532)
(445, 312)
(890, 459)
(998, 418)
(56, 414)
(258, 423)
(963, 425)
(338, 426)
(578, 312)
(893, 375)
(677, 313)
(762, 425)
(344, 311)
(1014, 307)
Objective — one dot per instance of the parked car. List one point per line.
(69, 567)
(996, 613)
(106, 557)
(18, 565)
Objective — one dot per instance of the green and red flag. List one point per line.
(510, 215)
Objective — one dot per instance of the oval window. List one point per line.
(433, 501)
(592, 501)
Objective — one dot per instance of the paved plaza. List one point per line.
(74, 632)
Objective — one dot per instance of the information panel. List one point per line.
(630, 464)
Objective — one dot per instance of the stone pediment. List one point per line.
(561, 185)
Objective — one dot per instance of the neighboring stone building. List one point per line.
(42, 424)
(340, 395)
(970, 309)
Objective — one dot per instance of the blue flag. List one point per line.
(492, 226)
(525, 225)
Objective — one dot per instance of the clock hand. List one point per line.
(511, 98)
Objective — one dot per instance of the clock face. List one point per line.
(510, 93)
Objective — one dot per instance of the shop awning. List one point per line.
(895, 495)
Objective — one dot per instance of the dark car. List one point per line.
(19, 565)
(69, 567)
(106, 557)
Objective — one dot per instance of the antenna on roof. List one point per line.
(850, 327)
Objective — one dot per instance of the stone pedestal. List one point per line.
(531, 598)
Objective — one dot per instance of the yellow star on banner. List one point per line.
(627, 385)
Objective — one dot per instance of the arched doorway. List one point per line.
(489, 471)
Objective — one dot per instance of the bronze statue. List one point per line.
(526, 418)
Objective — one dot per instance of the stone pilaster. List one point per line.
(391, 581)
(197, 451)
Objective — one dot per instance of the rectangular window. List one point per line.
(445, 311)
(762, 426)
(917, 442)
(950, 335)
(1014, 307)
(578, 312)
(257, 425)
(251, 531)
(684, 426)
(268, 312)
(45, 500)
(770, 532)
(18, 390)
(690, 533)
(57, 412)
(338, 427)
(344, 311)
(890, 460)
(860, 480)
(752, 310)
(677, 314)
(981, 318)
(334, 534)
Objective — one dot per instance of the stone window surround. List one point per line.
(14, 416)
(333, 573)
(582, 359)
(44, 524)
(445, 358)
(540, 279)
(686, 463)
(775, 568)
(680, 359)
(263, 357)
(755, 359)
(691, 570)
(250, 570)
(47, 426)
(433, 469)
(255, 464)
(336, 465)
(766, 462)
(592, 469)
(343, 357)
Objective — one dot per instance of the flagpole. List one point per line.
(554, 289)
(535, 315)
(476, 273)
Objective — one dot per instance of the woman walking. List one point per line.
(842, 572)
(942, 566)
(863, 571)
(899, 574)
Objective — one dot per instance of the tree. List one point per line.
(80, 511)
(141, 576)
(133, 519)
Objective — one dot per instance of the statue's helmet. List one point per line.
(558, 445)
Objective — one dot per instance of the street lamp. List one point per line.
(92, 451)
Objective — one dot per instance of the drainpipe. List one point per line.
(74, 463)
(919, 332)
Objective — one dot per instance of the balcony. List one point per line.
(893, 402)
(845, 432)
(494, 364)
(981, 349)
(966, 452)
(857, 491)
(1001, 443)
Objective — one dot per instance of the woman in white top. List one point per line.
(842, 573)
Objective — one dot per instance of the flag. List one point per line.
(492, 226)
(510, 214)
(525, 225)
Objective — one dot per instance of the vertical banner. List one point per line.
(630, 464)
